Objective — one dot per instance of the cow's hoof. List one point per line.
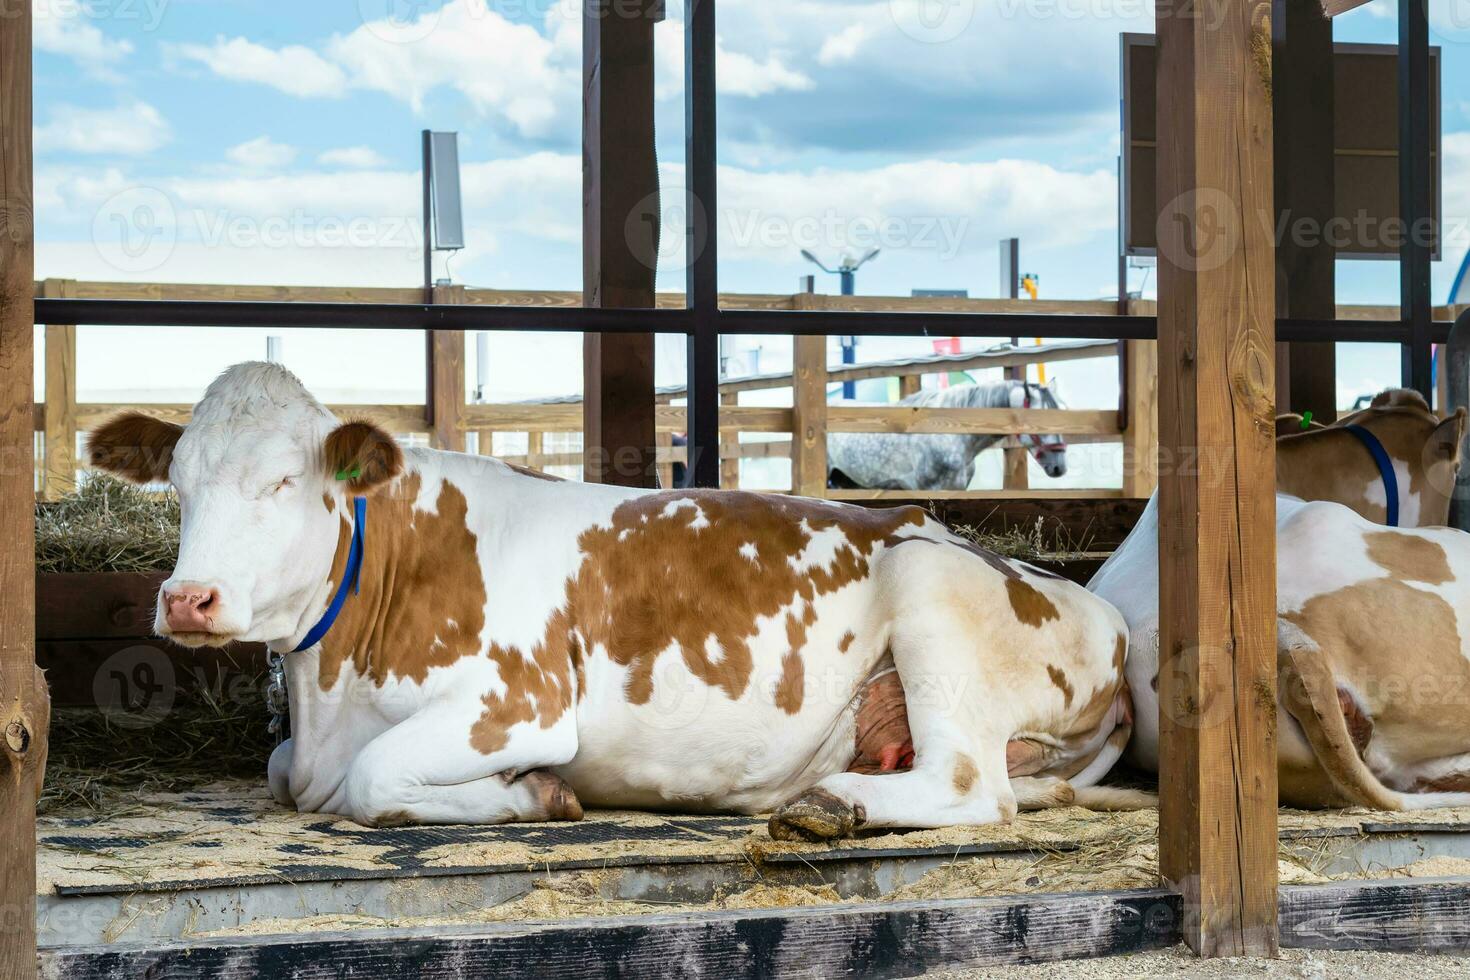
(816, 815)
(556, 797)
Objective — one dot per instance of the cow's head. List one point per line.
(262, 471)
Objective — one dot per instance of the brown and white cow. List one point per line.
(1373, 656)
(518, 645)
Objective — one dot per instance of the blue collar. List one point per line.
(1385, 469)
(350, 577)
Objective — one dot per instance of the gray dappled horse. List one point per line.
(900, 461)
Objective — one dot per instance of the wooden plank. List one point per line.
(1302, 95)
(24, 705)
(1141, 440)
(446, 394)
(1420, 915)
(1217, 765)
(809, 417)
(96, 604)
(395, 418)
(60, 418)
(124, 671)
(864, 940)
(620, 235)
(1070, 493)
(729, 446)
(1010, 421)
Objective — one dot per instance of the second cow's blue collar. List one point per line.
(1385, 469)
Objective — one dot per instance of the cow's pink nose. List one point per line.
(189, 608)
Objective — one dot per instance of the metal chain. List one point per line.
(277, 698)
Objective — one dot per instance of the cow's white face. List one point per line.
(256, 473)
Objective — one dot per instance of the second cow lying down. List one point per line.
(518, 646)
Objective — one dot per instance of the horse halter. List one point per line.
(1037, 447)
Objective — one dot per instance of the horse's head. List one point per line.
(1049, 451)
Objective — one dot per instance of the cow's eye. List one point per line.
(285, 482)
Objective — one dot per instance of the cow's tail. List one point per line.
(1114, 798)
(1308, 691)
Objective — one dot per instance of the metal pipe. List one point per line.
(702, 247)
(1457, 365)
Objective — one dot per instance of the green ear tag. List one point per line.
(351, 474)
(1307, 419)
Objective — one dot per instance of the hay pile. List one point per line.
(108, 526)
(1032, 541)
(101, 762)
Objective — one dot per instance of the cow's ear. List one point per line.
(362, 456)
(134, 446)
(1446, 439)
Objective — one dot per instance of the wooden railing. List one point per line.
(447, 418)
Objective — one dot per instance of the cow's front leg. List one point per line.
(426, 770)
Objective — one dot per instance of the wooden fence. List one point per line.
(448, 418)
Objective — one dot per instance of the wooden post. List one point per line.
(620, 236)
(446, 396)
(1141, 438)
(24, 704)
(910, 384)
(60, 416)
(730, 449)
(1217, 504)
(1302, 90)
(809, 417)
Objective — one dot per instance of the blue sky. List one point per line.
(258, 141)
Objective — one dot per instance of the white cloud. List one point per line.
(737, 73)
(294, 69)
(362, 157)
(261, 153)
(844, 45)
(131, 129)
(73, 37)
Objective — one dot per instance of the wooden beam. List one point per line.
(620, 238)
(60, 460)
(446, 395)
(24, 704)
(1008, 421)
(1141, 439)
(1302, 98)
(1217, 535)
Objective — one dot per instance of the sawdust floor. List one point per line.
(233, 834)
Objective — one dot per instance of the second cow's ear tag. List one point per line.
(1307, 419)
(351, 474)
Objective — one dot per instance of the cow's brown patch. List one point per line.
(669, 570)
(1450, 782)
(1059, 678)
(965, 775)
(329, 503)
(1411, 686)
(538, 687)
(1030, 605)
(421, 597)
(791, 689)
(845, 644)
(1409, 557)
(134, 446)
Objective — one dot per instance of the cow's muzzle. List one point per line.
(190, 607)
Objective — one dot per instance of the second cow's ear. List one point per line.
(362, 457)
(1446, 439)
